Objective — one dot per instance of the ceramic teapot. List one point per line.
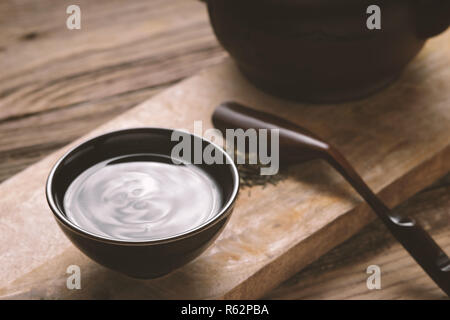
(325, 50)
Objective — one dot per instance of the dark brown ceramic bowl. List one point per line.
(322, 50)
(140, 259)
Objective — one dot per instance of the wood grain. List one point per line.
(62, 83)
(341, 274)
(56, 85)
(398, 141)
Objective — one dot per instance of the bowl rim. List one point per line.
(60, 216)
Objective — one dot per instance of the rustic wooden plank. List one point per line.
(398, 140)
(64, 83)
(341, 274)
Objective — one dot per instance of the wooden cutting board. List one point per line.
(398, 140)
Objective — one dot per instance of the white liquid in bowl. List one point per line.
(141, 200)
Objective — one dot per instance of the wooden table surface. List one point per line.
(57, 84)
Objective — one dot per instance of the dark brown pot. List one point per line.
(321, 50)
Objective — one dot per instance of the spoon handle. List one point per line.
(297, 144)
(412, 236)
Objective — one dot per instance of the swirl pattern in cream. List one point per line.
(141, 200)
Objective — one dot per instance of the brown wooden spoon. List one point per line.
(297, 144)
